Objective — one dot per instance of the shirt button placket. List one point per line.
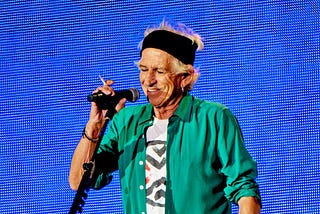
(141, 187)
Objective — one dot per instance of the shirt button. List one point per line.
(141, 187)
(141, 163)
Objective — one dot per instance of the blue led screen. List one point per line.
(261, 59)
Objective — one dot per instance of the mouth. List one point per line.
(153, 92)
(152, 89)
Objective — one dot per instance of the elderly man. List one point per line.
(177, 153)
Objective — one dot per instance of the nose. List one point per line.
(149, 77)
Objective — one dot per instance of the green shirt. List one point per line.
(207, 164)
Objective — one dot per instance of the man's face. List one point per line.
(159, 82)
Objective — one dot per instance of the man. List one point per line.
(176, 154)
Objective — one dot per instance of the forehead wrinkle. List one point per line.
(156, 59)
(155, 66)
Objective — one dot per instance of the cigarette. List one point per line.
(102, 80)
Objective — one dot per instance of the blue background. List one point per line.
(261, 59)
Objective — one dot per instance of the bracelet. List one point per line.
(84, 134)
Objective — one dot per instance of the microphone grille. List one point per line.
(135, 94)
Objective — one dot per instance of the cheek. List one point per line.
(172, 82)
(141, 76)
(142, 84)
(142, 81)
(168, 83)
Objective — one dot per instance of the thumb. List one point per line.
(121, 104)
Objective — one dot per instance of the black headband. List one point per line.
(178, 46)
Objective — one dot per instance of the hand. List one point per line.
(249, 205)
(98, 115)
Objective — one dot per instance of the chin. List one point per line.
(155, 103)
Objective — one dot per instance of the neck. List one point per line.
(166, 112)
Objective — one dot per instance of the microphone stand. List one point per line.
(87, 177)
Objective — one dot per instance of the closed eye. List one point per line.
(160, 71)
(143, 68)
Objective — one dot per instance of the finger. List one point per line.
(105, 89)
(109, 82)
(121, 104)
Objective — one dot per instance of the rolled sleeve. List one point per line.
(237, 164)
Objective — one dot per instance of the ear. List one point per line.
(188, 77)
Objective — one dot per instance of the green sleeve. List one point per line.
(237, 165)
(106, 160)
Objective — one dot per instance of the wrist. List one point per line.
(93, 128)
(87, 136)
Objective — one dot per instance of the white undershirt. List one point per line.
(156, 166)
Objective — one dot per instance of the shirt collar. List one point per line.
(184, 109)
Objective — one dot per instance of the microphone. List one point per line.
(109, 102)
